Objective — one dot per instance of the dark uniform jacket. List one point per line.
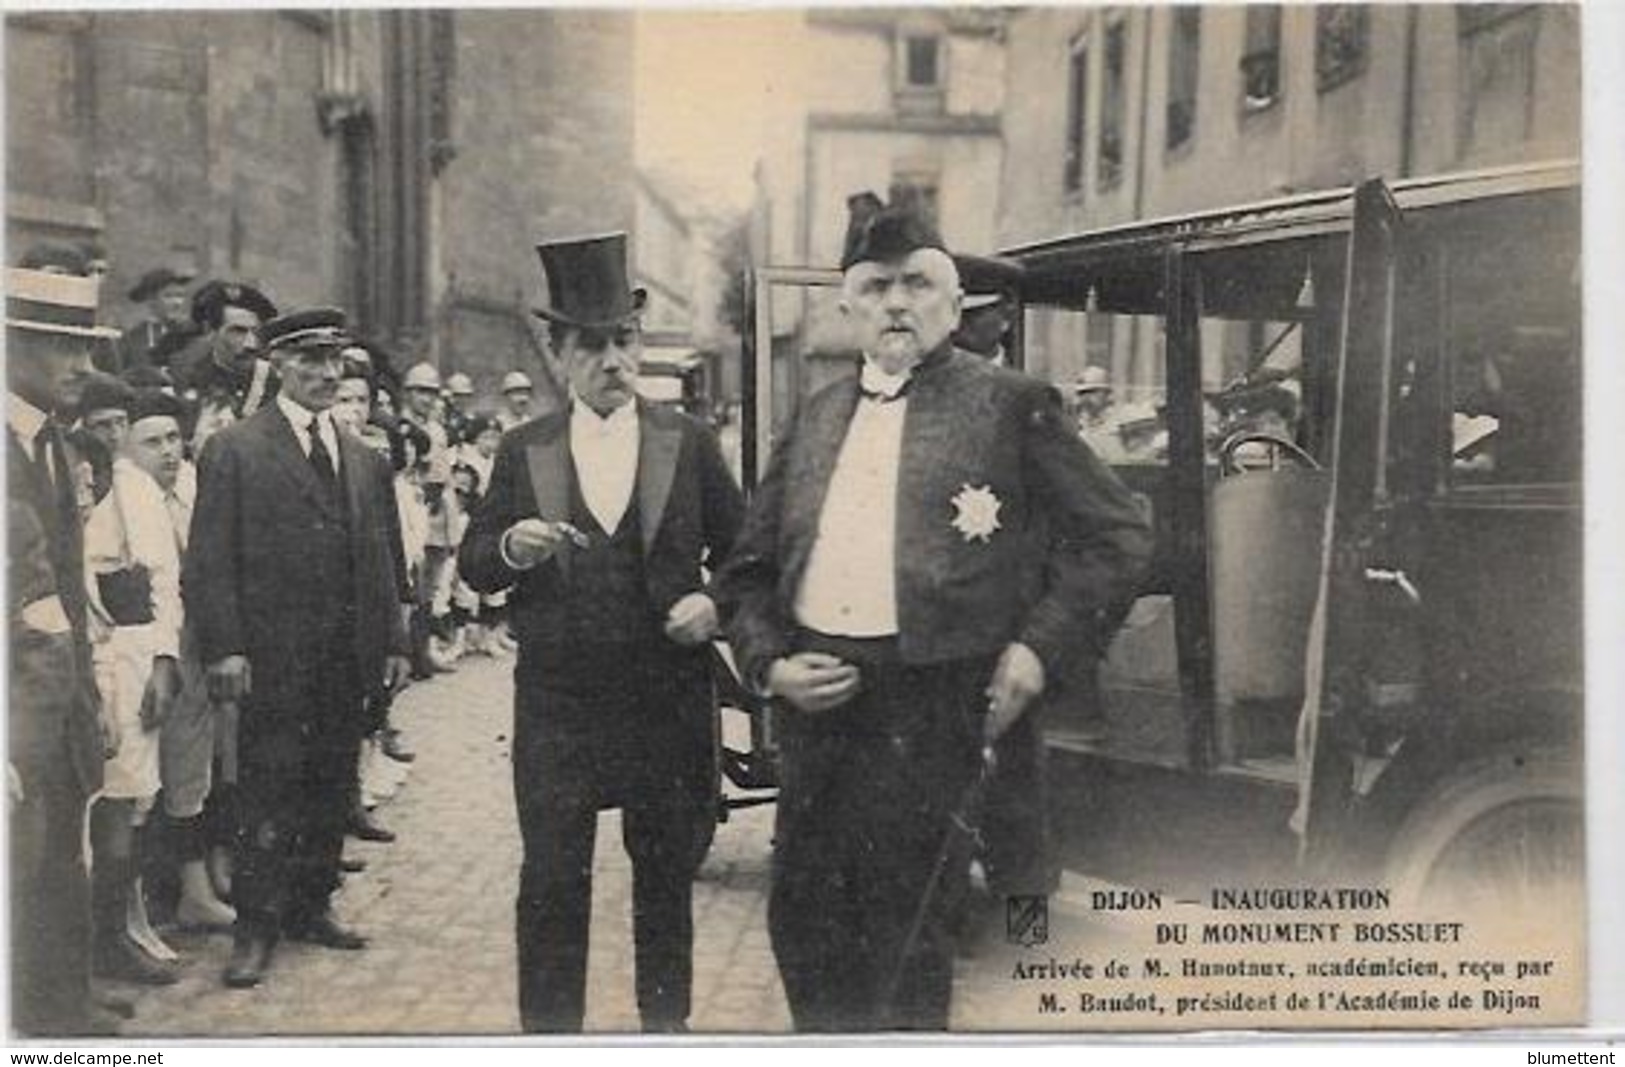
(247, 387)
(976, 439)
(54, 709)
(247, 580)
(687, 504)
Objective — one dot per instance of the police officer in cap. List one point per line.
(294, 584)
(223, 363)
(990, 306)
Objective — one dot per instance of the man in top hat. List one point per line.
(518, 396)
(599, 518)
(54, 714)
(925, 552)
(293, 584)
(991, 304)
(163, 291)
(223, 364)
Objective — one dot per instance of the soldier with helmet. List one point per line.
(518, 400)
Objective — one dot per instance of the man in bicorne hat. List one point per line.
(926, 550)
(599, 518)
(56, 733)
(293, 584)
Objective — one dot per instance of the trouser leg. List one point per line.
(658, 831)
(324, 812)
(50, 907)
(558, 818)
(814, 930)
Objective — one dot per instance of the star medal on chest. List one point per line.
(976, 512)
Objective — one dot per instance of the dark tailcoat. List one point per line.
(308, 583)
(620, 718)
(1008, 529)
(54, 744)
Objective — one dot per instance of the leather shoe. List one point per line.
(250, 959)
(119, 956)
(351, 865)
(395, 748)
(113, 1004)
(325, 930)
(364, 829)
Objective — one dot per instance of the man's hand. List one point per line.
(230, 679)
(692, 620)
(813, 681)
(1017, 681)
(397, 673)
(162, 689)
(530, 542)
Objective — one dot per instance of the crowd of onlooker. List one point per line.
(120, 442)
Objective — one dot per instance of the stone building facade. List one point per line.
(1138, 112)
(400, 164)
(904, 103)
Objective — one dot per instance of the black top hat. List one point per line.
(313, 328)
(887, 233)
(154, 281)
(586, 282)
(208, 302)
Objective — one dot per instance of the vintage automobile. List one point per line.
(1354, 419)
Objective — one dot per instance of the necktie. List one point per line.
(320, 458)
(52, 459)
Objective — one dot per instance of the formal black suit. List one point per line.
(608, 712)
(1007, 530)
(304, 576)
(54, 737)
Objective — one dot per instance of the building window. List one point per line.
(1113, 104)
(916, 194)
(1077, 112)
(922, 68)
(1341, 38)
(1261, 61)
(1184, 54)
(1498, 76)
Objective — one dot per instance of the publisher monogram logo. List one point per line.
(1026, 921)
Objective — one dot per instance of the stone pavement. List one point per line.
(438, 907)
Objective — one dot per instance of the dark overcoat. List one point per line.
(54, 709)
(250, 588)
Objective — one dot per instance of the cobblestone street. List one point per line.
(438, 907)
